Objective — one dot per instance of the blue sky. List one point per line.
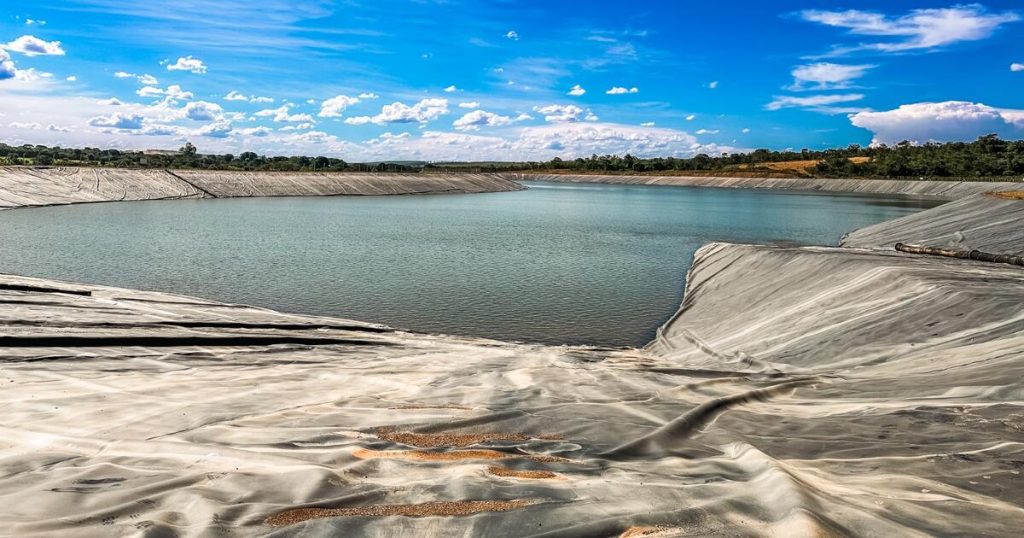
(451, 79)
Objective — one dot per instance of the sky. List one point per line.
(506, 80)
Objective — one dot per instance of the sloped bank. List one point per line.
(38, 186)
(949, 190)
(798, 392)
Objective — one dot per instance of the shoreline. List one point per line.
(799, 390)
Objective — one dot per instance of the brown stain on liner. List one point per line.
(444, 439)
(428, 509)
(454, 455)
(505, 472)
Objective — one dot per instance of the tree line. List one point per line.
(987, 157)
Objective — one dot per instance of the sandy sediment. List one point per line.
(797, 392)
(30, 186)
(948, 190)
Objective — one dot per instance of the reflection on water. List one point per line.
(558, 263)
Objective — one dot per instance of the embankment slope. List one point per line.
(29, 186)
(949, 190)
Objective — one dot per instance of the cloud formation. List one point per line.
(818, 103)
(920, 29)
(618, 90)
(33, 46)
(188, 63)
(939, 122)
(335, 106)
(422, 112)
(577, 91)
(476, 119)
(826, 76)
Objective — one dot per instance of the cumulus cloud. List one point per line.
(33, 46)
(188, 63)
(1015, 67)
(647, 124)
(939, 122)
(71, 78)
(24, 125)
(513, 35)
(920, 29)
(259, 132)
(113, 101)
(118, 120)
(335, 106)
(713, 84)
(469, 104)
(123, 74)
(577, 91)
(619, 90)
(422, 112)
(472, 121)
(203, 111)
(368, 95)
(707, 131)
(826, 76)
(564, 113)
(282, 114)
(817, 103)
(451, 89)
(235, 95)
(148, 80)
(691, 117)
(7, 69)
(220, 129)
(173, 92)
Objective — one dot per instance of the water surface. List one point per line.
(558, 263)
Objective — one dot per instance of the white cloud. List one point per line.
(920, 29)
(299, 127)
(817, 103)
(33, 46)
(469, 104)
(281, 114)
(691, 117)
(71, 78)
(826, 76)
(745, 131)
(260, 131)
(707, 131)
(113, 101)
(562, 113)
(235, 95)
(522, 117)
(7, 69)
(1015, 67)
(647, 124)
(173, 92)
(31, 22)
(713, 84)
(123, 74)
(118, 120)
(203, 111)
(256, 99)
(335, 106)
(577, 91)
(368, 95)
(188, 63)
(472, 121)
(513, 35)
(451, 89)
(148, 80)
(23, 125)
(220, 129)
(422, 112)
(57, 129)
(619, 90)
(940, 122)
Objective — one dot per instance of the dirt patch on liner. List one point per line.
(498, 470)
(454, 455)
(1009, 195)
(437, 508)
(436, 440)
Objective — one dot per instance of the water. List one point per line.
(575, 264)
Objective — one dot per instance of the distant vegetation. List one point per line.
(988, 157)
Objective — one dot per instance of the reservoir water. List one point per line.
(558, 263)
